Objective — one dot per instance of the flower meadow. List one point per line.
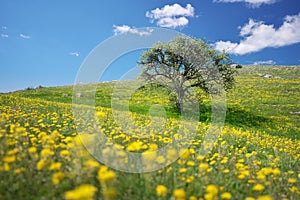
(43, 153)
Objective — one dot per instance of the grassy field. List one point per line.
(256, 156)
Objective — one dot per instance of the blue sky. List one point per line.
(45, 42)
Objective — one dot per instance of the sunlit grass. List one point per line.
(256, 156)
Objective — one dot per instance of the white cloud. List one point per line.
(74, 54)
(257, 36)
(265, 62)
(171, 16)
(4, 35)
(169, 22)
(253, 3)
(25, 36)
(4, 27)
(127, 29)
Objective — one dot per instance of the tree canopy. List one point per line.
(184, 63)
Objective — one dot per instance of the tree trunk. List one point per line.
(179, 102)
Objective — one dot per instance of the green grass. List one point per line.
(254, 103)
(259, 143)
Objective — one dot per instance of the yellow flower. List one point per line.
(292, 180)
(265, 197)
(57, 177)
(250, 198)
(192, 198)
(225, 160)
(212, 189)
(190, 179)
(248, 155)
(261, 176)
(182, 170)
(209, 196)
(82, 192)
(41, 164)
(294, 189)
(55, 166)
(64, 153)
(258, 187)
(203, 166)
(9, 159)
(135, 146)
(241, 176)
(13, 151)
(190, 163)
(46, 152)
(91, 163)
(200, 158)
(100, 114)
(226, 195)
(184, 153)
(161, 190)
(32, 150)
(160, 159)
(251, 181)
(105, 175)
(20, 170)
(179, 193)
(6, 167)
(276, 171)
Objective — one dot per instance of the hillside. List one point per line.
(47, 152)
(256, 102)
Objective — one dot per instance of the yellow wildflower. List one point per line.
(182, 170)
(265, 197)
(64, 153)
(55, 166)
(179, 194)
(161, 190)
(57, 177)
(105, 175)
(258, 187)
(91, 163)
(46, 152)
(203, 166)
(192, 198)
(212, 189)
(41, 164)
(32, 149)
(292, 180)
(9, 159)
(160, 159)
(226, 195)
(82, 192)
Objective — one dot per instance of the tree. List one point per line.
(185, 63)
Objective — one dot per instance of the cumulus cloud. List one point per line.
(127, 29)
(74, 54)
(257, 35)
(171, 16)
(25, 36)
(265, 62)
(253, 3)
(4, 35)
(4, 27)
